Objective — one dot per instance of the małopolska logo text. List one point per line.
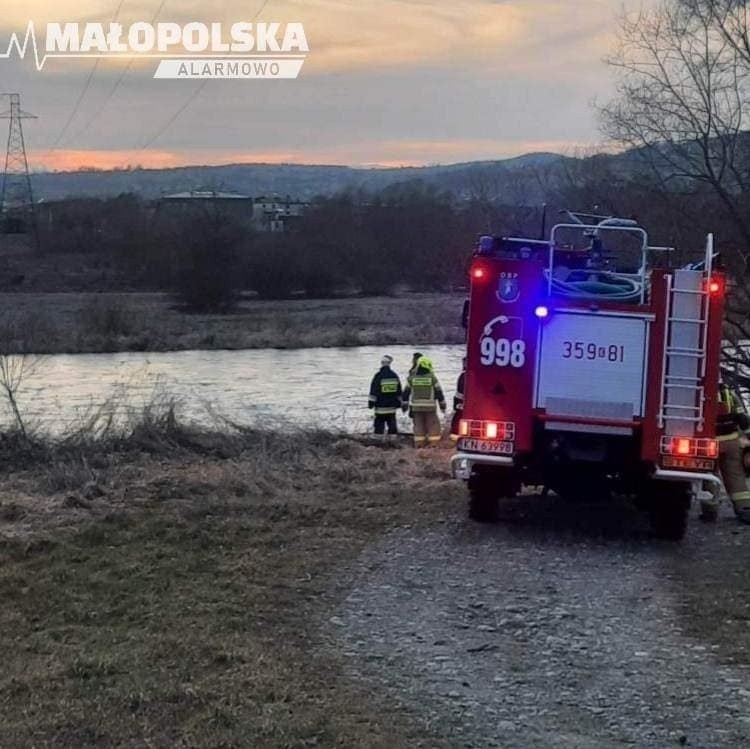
(192, 50)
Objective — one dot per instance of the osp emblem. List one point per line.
(508, 289)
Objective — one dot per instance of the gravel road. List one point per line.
(563, 625)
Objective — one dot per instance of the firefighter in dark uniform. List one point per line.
(732, 421)
(458, 401)
(385, 397)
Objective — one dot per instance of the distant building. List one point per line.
(277, 214)
(270, 214)
(236, 205)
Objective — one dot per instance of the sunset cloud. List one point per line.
(345, 35)
(387, 81)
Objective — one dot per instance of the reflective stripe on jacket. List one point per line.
(732, 416)
(423, 392)
(385, 392)
(458, 398)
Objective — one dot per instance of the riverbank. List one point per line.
(167, 586)
(99, 323)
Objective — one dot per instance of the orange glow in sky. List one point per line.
(385, 154)
(386, 82)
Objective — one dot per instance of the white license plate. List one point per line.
(486, 446)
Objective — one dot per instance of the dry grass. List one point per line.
(166, 588)
(89, 323)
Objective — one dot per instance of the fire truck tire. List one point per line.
(670, 509)
(486, 487)
(483, 501)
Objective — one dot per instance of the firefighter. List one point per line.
(730, 424)
(458, 402)
(422, 396)
(385, 397)
(415, 357)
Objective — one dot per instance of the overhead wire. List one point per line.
(85, 89)
(191, 98)
(119, 81)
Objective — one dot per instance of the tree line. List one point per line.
(411, 236)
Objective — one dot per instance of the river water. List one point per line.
(267, 387)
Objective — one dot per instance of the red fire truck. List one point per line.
(590, 371)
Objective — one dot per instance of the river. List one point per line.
(268, 387)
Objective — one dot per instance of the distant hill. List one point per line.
(300, 181)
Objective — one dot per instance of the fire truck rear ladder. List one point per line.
(681, 409)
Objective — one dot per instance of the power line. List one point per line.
(119, 81)
(77, 105)
(85, 89)
(191, 98)
(175, 115)
(262, 8)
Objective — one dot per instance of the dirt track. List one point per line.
(561, 626)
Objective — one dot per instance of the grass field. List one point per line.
(172, 587)
(166, 588)
(89, 323)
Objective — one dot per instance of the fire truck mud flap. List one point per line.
(461, 463)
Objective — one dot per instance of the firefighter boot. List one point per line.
(709, 511)
(709, 506)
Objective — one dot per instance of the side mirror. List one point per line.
(465, 315)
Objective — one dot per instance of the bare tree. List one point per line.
(731, 18)
(682, 101)
(16, 366)
(15, 369)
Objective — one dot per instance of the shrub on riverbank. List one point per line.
(72, 459)
(67, 323)
(109, 317)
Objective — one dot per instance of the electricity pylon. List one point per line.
(17, 211)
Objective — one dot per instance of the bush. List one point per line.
(271, 270)
(208, 279)
(109, 317)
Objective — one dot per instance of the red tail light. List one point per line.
(683, 447)
(504, 431)
(688, 447)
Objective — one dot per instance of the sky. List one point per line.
(386, 82)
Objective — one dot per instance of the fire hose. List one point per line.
(598, 285)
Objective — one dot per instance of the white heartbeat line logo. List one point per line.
(21, 48)
(297, 44)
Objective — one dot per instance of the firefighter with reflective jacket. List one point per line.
(385, 397)
(730, 424)
(422, 396)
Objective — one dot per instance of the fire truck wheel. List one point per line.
(670, 508)
(483, 500)
(485, 489)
